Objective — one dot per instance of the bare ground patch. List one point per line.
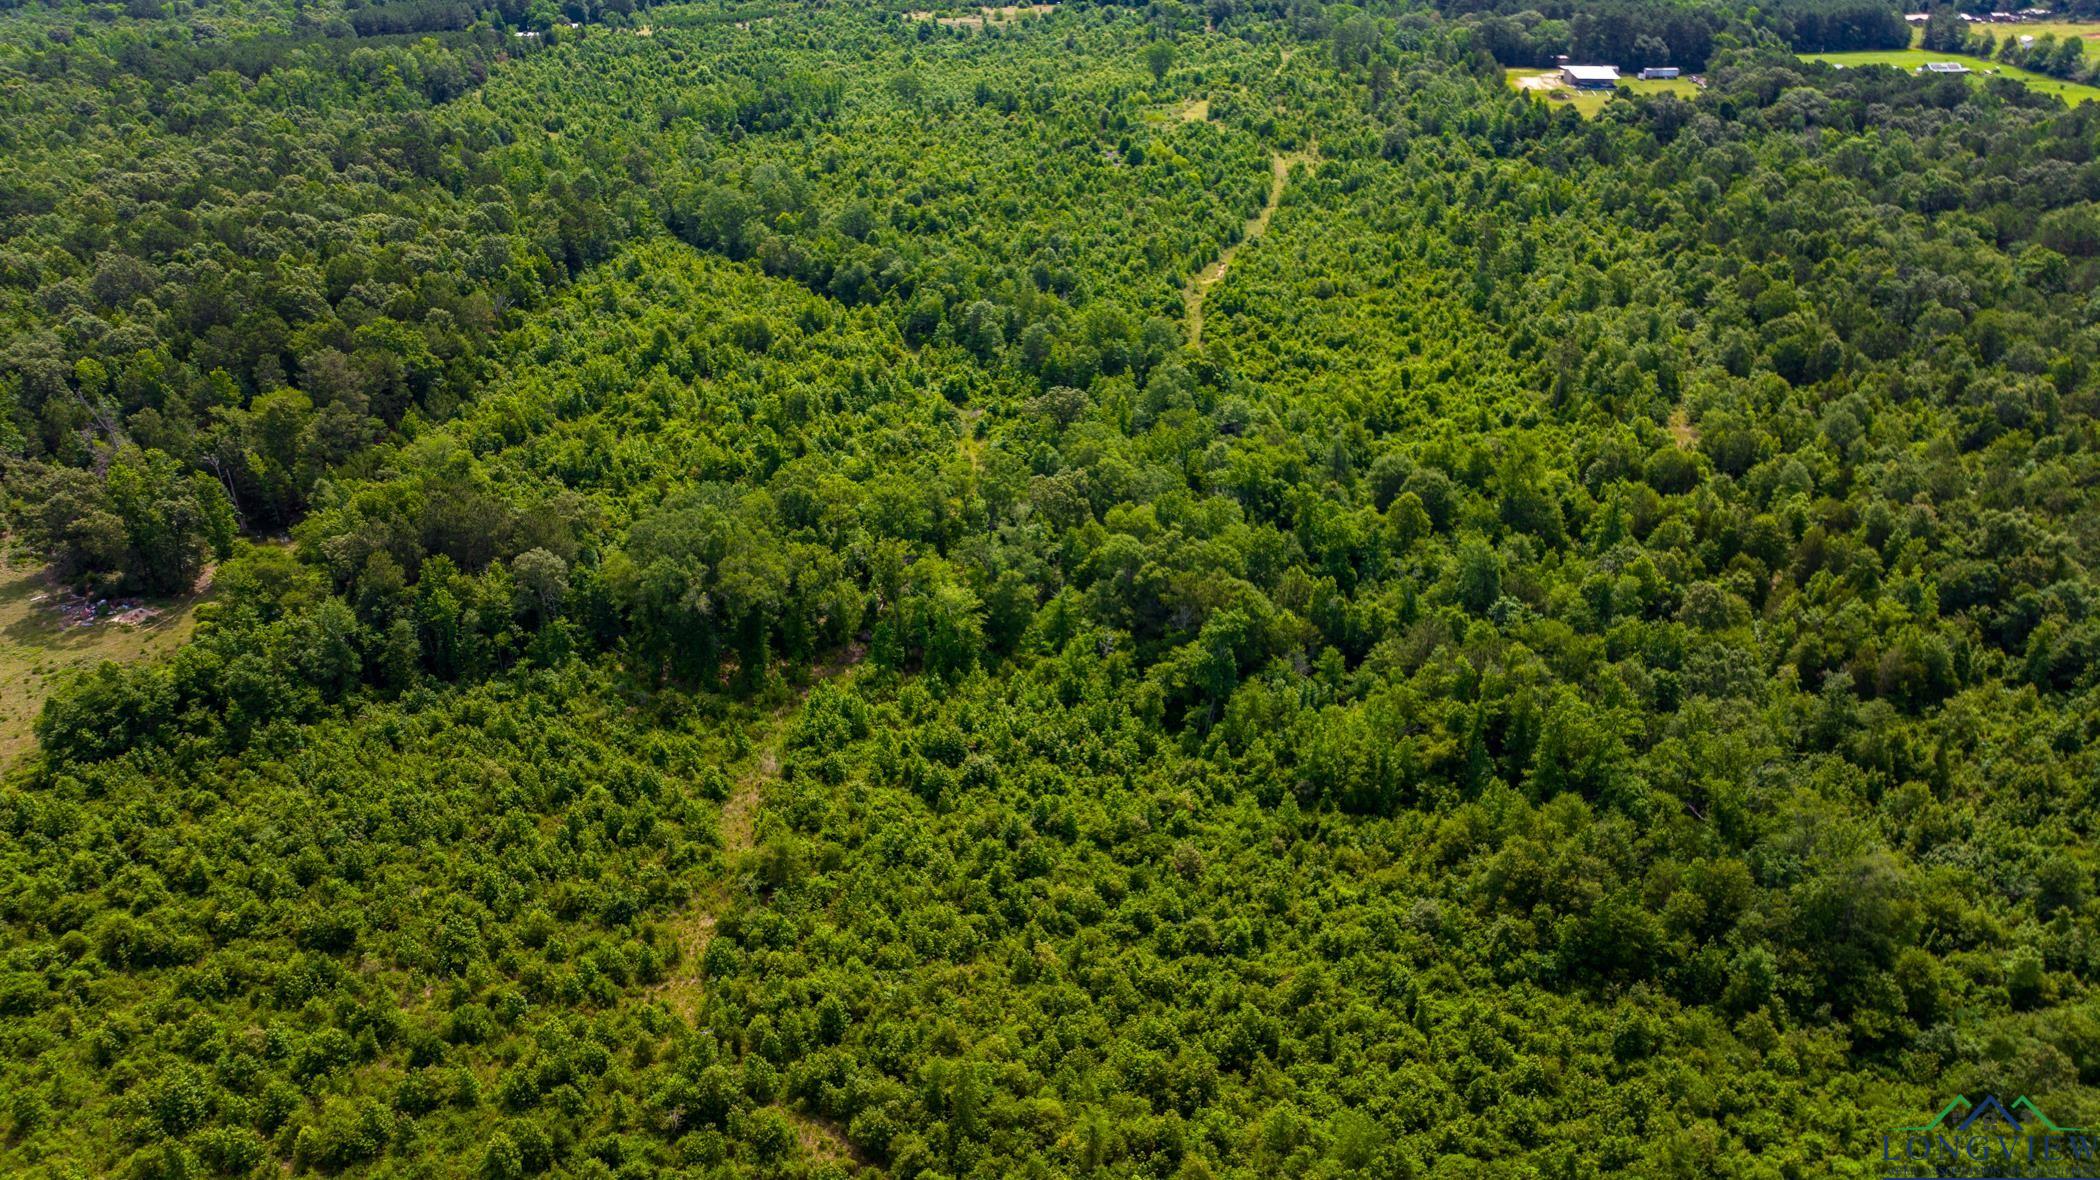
(1682, 431)
(823, 1140)
(1001, 15)
(48, 633)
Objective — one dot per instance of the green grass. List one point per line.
(37, 651)
(1911, 59)
(1587, 103)
(1683, 88)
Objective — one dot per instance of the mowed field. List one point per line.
(1911, 59)
(38, 649)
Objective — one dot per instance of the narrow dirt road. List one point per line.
(1202, 281)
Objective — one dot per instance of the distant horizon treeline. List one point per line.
(1635, 34)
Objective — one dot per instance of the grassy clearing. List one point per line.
(2060, 29)
(37, 650)
(1911, 59)
(1590, 103)
(1188, 110)
(1683, 88)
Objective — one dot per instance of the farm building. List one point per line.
(1590, 77)
(1656, 73)
(1945, 67)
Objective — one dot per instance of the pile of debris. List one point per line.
(81, 610)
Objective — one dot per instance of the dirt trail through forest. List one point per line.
(1202, 281)
(695, 928)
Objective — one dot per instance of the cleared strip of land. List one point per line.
(1202, 281)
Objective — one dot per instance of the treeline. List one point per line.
(1634, 34)
(396, 17)
(145, 525)
(1812, 26)
(441, 76)
(417, 16)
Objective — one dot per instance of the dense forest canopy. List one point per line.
(1106, 591)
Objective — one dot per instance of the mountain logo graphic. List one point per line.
(2005, 1138)
(1992, 1115)
(1992, 1109)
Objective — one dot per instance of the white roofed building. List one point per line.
(1590, 77)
